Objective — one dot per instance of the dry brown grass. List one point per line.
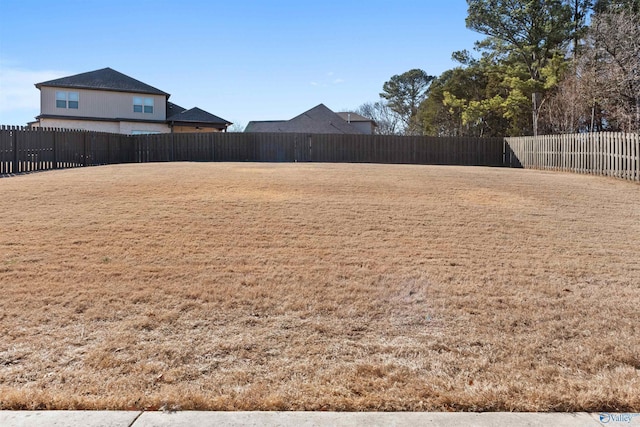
(319, 287)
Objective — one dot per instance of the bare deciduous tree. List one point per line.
(236, 127)
(614, 59)
(571, 107)
(387, 121)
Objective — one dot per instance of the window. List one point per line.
(61, 99)
(141, 105)
(148, 105)
(67, 100)
(137, 104)
(73, 100)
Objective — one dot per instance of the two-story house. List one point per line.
(108, 101)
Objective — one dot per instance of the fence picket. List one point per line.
(606, 153)
(610, 154)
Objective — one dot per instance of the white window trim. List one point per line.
(67, 100)
(143, 104)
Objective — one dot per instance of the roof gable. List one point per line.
(104, 79)
(319, 119)
(174, 109)
(266, 126)
(197, 115)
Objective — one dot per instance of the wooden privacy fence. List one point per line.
(612, 154)
(606, 153)
(36, 150)
(28, 151)
(338, 148)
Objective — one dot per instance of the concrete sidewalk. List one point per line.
(307, 419)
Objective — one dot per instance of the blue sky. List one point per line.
(241, 60)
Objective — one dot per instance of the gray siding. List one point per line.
(102, 104)
(363, 127)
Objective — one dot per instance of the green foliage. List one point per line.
(404, 93)
(466, 101)
(434, 118)
(580, 10)
(462, 56)
(497, 104)
(528, 33)
(532, 29)
(541, 67)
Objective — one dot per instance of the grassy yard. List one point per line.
(319, 287)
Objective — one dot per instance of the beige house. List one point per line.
(108, 101)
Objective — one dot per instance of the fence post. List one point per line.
(14, 146)
(84, 149)
(173, 147)
(106, 156)
(504, 152)
(54, 153)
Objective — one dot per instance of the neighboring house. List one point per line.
(319, 119)
(108, 101)
(363, 124)
(182, 120)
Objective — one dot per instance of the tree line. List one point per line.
(544, 67)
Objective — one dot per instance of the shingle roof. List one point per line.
(104, 79)
(266, 126)
(197, 115)
(174, 109)
(319, 119)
